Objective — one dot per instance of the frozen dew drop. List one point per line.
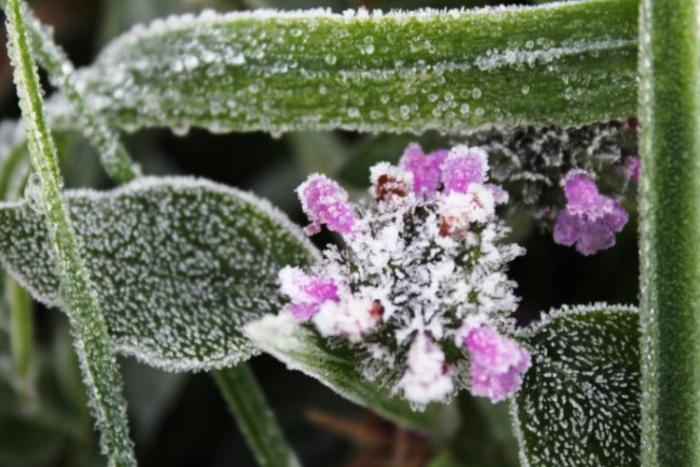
(33, 194)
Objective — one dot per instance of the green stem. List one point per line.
(670, 232)
(115, 159)
(255, 418)
(92, 339)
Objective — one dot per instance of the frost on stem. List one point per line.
(422, 262)
(590, 220)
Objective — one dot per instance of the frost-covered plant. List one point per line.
(420, 287)
(413, 302)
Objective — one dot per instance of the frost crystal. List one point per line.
(325, 202)
(423, 260)
(498, 363)
(590, 220)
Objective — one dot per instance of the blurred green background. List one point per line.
(180, 420)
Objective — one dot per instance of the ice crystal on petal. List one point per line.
(497, 364)
(389, 182)
(424, 167)
(351, 318)
(590, 220)
(325, 202)
(422, 260)
(462, 167)
(427, 376)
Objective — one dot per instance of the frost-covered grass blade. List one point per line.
(569, 63)
(179, 263)
(92, 340)
(580, 401)
(304, 350)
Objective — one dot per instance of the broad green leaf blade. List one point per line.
(571, 63)
(580, 401)
(669, 109)
(302, 349)
(255, 417)
(180, 264)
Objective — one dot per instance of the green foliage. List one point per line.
(670, 231)
(579, 404)
(93, 344)
(180, 264)
(451, 72)
(304, 350)
(255, 418)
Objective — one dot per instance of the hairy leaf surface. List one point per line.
(579, 405)
(180, 265)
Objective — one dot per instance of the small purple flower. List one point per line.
(632, 166)
(424, 167)
(497, 365)
(325, 202)
(307, 293)
(590, 220)
(462, 167)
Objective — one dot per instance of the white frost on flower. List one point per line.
(351, 318)
(418, 264)
(427, 377)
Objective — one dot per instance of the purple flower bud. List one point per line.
(590, 220)
(632, 166)
(424, 167)
(325, 202)
(497, 365)
(462, 167)
(307, 293)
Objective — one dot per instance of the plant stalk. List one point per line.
(89, 327)
(255, 417)
(669, 108)
(114, 157)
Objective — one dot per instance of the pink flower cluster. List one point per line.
(307, 293)
(590, 219)
(497, 365)
(325, 202)
(430, 209)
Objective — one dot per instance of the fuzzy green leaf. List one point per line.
(579, 404)
(571, 63)
(180, 265)
(302, 349)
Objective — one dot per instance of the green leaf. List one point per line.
(255, 417)
(571, 63)
(580, 403)
(77, 292)
(180, 264)
(670, 231)
(302, 349)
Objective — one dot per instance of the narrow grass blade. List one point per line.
(93, 344)
(255, 417)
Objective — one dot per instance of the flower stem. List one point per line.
(670, 232)
(92, 340)
(255, 418)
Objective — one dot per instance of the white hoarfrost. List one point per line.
(181, 265)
